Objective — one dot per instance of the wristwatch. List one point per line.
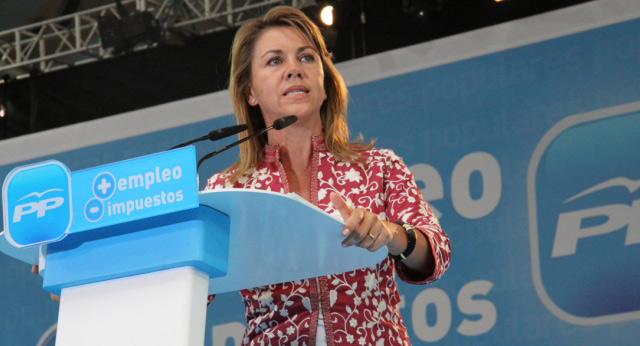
(411, 235)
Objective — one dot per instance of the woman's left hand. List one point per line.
(363, 228)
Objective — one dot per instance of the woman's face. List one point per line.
(287, 77)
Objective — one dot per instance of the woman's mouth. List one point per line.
(296, 90)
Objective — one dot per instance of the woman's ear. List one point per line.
(251, 99)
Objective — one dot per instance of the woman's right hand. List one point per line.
(36, 271)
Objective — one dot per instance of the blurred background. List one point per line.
(68, 61)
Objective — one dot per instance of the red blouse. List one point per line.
(359, 307)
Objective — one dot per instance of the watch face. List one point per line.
(404, 225)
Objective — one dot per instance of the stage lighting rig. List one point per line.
(131, 29)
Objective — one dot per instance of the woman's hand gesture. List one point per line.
(366, 229)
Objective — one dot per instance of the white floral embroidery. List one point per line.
(322, 194)
(353, 175)
(266, 299)
(333, 295)
(306, 303)
(363, 303)
(370, 282)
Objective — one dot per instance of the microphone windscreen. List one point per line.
(283, 122)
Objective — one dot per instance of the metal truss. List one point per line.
(74, 39)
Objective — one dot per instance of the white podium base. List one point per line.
(156, 309)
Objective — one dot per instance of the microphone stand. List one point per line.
(278, 124)
(210, 155)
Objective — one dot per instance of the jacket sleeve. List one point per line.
(404, 203)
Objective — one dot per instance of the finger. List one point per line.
(368, 240)
(381, 240)
(352, 229)
(353, 223)
(351, 239)
(35, 269)
(343, 208)
(368, 230)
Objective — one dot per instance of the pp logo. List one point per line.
(584, 209)
(103, 187)
(37, 203)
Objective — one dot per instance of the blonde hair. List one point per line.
(333, 111)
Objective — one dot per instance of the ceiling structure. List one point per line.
(79, 38)
(56, 72)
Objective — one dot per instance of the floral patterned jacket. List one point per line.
(358, 307)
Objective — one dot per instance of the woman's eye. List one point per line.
(307, 58)
(274, 61)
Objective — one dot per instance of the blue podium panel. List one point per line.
(278, 238)
(134, 189)
(43, 202)
(197, 237)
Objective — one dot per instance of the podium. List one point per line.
(133, 248)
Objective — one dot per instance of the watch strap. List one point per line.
(411, 245)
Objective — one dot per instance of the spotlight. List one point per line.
(3, 111)
(326, 15)
(418, 11)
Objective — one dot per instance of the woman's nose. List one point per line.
(293, 74)
(294, 71)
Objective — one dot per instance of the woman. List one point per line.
(280, 66)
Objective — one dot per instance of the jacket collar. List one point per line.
(272, 152)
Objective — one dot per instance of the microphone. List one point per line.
(278, 124)
(283, 122)
(216, 134)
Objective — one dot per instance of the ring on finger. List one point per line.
(372, 236)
